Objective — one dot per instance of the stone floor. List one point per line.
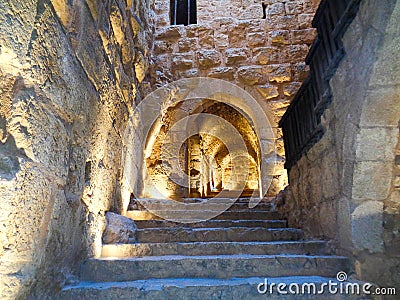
(227, 257)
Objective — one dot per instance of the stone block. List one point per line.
(182, 61)
(279, 73)
(256, 39)
(171, 33)
(276, 9)
(206, 37)
(297, 53)
(303, 36)
(251, 75)
(162, 47)
(186, 44)
(236, 34)
(280, 37)
(300, 71)
(294, 7)
(222, 73)
(119, 229)
(236, 55)
(251, 12)
(367, 226)
(376, 143)
(221, 40)
(267, 55)
(381, 107)
(279, 22)
(268, 91)
(208, 58)
(291, 89)
(372, 180)
(305, 21)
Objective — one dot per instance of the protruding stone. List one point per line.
(267, 55)
(208, 58)
(280, 73)
(170, 33)
(268, 91)
(182, 61)
(235, 56)
(276, 9)
(119, 229)
(186, 44)
(280, 37)
(206, 37)
(256, 39)
(291, 89)
(222, 73)
(303, 36)
(251, 75)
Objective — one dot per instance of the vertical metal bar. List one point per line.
(175, 11)
(189, 11)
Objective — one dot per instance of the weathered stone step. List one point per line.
(233, 234)
(218, 266)
(186, 216)
(213, 224)
(215, 248)
(199, 289)
(248, 215)
(217, 205)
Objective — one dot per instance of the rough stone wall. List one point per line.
(70, 74)
(346, 187)
(233, 42)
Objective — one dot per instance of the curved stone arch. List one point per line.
(203, 106)
(156, 105)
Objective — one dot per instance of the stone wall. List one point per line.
(233, 42)
(71, 72)
(346, 187)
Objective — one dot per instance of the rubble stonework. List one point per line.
(71, 72)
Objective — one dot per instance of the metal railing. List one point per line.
(301, 124)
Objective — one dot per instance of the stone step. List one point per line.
(218, 266)
(217, 205)
(215, 248)
(248, 215)
(204, 288)
(186, 216)
(230, 234)
(213, 224)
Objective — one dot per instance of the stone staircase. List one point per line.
(227, 257)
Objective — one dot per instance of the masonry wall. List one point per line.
(71, 72)
(233, 42)
(346, 188)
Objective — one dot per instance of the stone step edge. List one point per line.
(212, 257)
(213, 223)
(157, 283)
(236, 228)
(226, 243)
(300, 247)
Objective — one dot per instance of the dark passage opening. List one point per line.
(183, 12)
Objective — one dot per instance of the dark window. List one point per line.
(183, 12)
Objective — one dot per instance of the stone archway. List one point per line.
(176, 101)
